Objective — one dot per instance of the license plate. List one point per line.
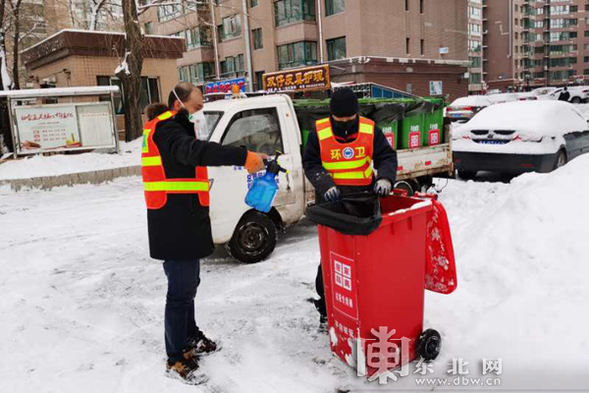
(493, 142)
(455, 115)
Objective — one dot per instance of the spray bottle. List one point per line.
(263, 190)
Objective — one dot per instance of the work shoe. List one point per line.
(186, 369)
(201, 344)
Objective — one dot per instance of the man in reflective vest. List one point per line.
(340, 158)
(176, 187)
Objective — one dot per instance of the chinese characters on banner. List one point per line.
(302, 79)
(43, 128)
(225, 86)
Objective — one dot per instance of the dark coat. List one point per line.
(564, 96)
(384, 159)
(182, 228)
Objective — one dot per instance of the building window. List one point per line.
(259, 80)
(297, 54)
(253, 3)
(148, 28)
(475, 78)
(476, 13)
(168, 12)
(421, 6)
(406, 5)
(475, 62)
(475, 29)
(149, 93)
(290, 11)
(586, 59)
(422, 47)
(232, 66)
(336, 48)
(334, 7)
(474, 46)
(407, 45)
(586, 71)
(197, 37)
(230, 28)
(258, 41)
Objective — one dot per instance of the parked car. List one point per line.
(578, 94)
(465, 108)
(526, 96)
(517, 137)
(503, 97)
(543, 91)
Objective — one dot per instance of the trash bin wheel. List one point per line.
(429, 344)
(254, 238)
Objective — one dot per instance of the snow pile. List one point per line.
(544, 118)
(61, 164)
(522, 262)
(78, 287)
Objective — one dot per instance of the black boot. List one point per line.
(201, 344)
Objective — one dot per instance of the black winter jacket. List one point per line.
(384, 159)
(182, 228)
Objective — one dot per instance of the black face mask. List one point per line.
(344, 127)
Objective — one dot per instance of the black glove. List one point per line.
(332, 195)
(382, 188)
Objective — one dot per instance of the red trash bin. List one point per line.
(378, 280)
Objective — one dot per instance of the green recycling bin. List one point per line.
(412, 129)
(434, 123)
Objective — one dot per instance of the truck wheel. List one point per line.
(254, 238)
(467, 175)
(429, 344)
(405, 185)
(561, 159)
(576, 100)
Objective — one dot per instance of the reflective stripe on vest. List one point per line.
(156, 184)
(349, 164)
(177, 186)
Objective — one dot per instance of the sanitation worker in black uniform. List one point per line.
(340, 158)
(177, 187)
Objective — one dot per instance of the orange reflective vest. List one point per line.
(349, 164)
(156, 185)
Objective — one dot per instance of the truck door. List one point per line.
(258, 129)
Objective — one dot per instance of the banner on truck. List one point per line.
(225, 86)
(301, 79)
(62, 127)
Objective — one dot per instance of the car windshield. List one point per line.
(211, 120)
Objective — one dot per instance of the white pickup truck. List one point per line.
(268, 124)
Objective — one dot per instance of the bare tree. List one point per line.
(129, 71)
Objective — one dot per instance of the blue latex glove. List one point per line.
(332, 195)
(382, 188)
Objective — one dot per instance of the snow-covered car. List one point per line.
(526, 96)
(518, 137)
(543, 91)
(578, 94)
(464, 108)
(503, 97)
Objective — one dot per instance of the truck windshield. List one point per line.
(211, 120)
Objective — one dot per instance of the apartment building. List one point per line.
(406, 44)
(533, 43)
(475, 46)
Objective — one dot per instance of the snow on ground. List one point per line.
(82, 303)
(60, 164)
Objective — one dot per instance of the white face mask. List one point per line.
(191, 116)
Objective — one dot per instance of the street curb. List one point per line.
(94, 177)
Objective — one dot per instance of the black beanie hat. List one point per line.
(344, 103)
